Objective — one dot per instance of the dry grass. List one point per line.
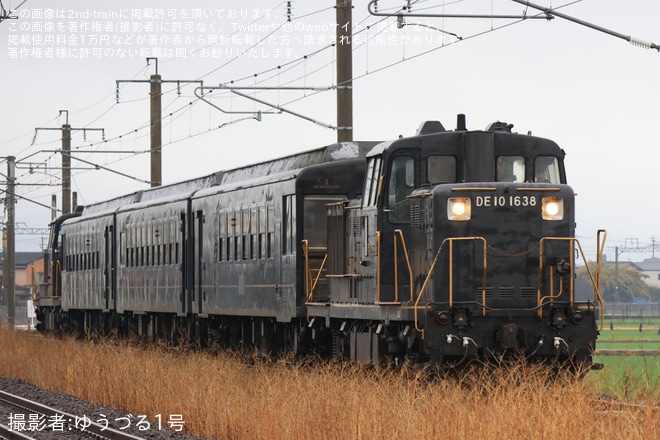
(222, 397)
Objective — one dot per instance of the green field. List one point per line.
(626, 335)
(631, 359)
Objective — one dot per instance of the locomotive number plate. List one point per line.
(493, 201)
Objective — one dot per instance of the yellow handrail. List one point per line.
(55, 265)
(595, 281)
(378, 265)
(399, 232)
(310, 285)
(318, 275)
(540, 274)
(451, 287)
(552, 287)
(308, 272)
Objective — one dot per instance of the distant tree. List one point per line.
(630, 280)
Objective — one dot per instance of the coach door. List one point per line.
(198, 293)
(185, 270)
(109, 273)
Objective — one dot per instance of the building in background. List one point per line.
(29, 272)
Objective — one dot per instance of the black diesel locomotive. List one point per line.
(442, 247)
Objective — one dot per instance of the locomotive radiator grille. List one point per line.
(507, 293)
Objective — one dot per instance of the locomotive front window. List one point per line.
(510, 169)
(546, 170)
(441, 169)
(401, 185)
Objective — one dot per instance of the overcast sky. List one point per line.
(596, 95)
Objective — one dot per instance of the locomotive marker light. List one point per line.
(577, 317)
(442, 318)
(553, 208)
(459, 209)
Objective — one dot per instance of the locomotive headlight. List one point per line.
(553, 208)
(459, 208)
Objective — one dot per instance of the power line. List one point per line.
(549, 12)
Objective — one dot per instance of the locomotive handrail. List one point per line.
(594, 280)
(309, 284)
(451, 287)
(308, 273)
(399, 232)
(34, 288)
(56, 269)
(552, 288)
(600, 247)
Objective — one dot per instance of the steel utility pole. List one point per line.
(66, 158)
(9, 265)
(344, 70)
(156, 129)
(155, 94)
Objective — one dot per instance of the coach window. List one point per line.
(401, 185)
(510, 169)
(254, 224)
(270, 241)
(131, 247)
(289, 226)
(546, 170)
(246, 234)
(222, 234)
(441, 169)
(262, 232)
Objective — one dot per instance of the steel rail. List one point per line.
(88, 426)
(7, 433)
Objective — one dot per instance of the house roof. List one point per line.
(22, 259)
(649, 264)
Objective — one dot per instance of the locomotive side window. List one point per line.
(371, 182)
(510, 169)
(401, 185)
(546, 170)
(441, 169)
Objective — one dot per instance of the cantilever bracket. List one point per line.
(199, 92)
(373, 10)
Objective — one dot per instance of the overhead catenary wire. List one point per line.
(172, 116)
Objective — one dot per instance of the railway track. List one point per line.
(32, 420)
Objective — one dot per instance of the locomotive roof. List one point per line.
(328, 153)
(435, 129)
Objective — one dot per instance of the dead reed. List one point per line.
(223, 397)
